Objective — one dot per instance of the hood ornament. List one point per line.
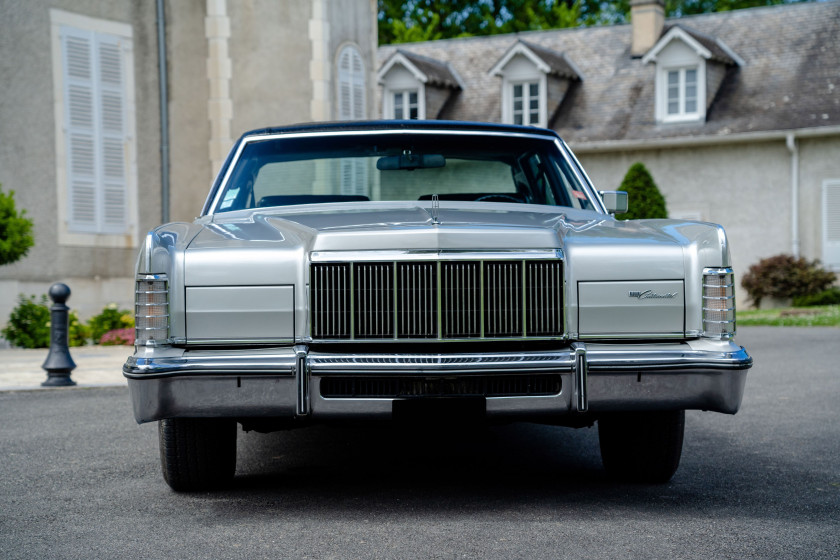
(435, 209)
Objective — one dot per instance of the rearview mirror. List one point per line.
(615, 201)
(410, 161)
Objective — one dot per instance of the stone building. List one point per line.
(97, 160)
(736, 114)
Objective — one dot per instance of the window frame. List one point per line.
(663, 99)
(405, 93)
(99, 234)
(508, 99)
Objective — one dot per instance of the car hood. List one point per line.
(600, 246)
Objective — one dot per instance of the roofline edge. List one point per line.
(604, 146)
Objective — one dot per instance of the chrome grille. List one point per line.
(544, 281)
(461, 297)
(417, 300)
(373, 300)
(503, 302)
(437, 300)
(330, 291)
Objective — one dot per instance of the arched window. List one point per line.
(351, 85)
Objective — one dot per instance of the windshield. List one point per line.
(380, 167)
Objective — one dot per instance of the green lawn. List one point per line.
(817, 316)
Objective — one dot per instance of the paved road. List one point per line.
(81, 480)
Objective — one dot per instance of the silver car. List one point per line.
(427, 271)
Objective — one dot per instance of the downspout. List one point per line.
(790, 140)
(164, 114)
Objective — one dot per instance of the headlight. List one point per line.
(151, 310)
(718, 303)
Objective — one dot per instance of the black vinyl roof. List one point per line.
(385, 125)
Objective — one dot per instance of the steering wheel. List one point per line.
(498, 198)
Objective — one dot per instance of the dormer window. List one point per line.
(527, 104)
(682, 93)
(415, 86)
(690, 68)
(405, 105)
(534, 82)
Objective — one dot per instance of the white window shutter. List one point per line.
(351, 85)
(112, 107)
(80, 123)
(831, 224)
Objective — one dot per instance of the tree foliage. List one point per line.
(404, 21)
(645, 200)
(15, 230)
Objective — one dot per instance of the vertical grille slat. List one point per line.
(460, 294)
(503, 311)
(373, 294)
(417, 300)
(330, 301)
(446, 300)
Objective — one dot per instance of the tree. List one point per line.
(644, 197)
(403, 21)
(15, 230)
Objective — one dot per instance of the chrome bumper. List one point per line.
(285, 383)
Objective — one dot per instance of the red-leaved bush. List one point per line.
(118, 337)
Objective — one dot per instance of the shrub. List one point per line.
(644, 197)
(785, 276)
(15, 230)
(830, 296)
(118, 337)
(110, 319)
(29, 324)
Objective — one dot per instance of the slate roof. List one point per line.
(712, 44)
(790, 78)
(558, 63)
(438, 73)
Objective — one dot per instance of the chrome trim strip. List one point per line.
(439, 364)
(581, 376)
(238, 341)
(433, 255)
(302, 380)
(141, 367)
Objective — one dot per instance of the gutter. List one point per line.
(790, 141)
(164, 113)
(708, 140)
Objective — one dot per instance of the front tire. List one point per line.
(197, 453)
(642, 446)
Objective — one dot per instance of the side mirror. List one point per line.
(615, 201)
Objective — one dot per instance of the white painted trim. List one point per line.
(389, 109)
(129, 239)
(830, 249)
(662, 115)
(399, 58)
(320, 108)
(676, 33)
(60, 17)
(519, 48)
(507, 99)
(604, 146)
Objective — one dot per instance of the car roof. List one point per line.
(386, 125)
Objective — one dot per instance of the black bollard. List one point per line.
(59, 364)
